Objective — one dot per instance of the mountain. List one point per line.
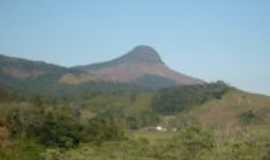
(142, 66)
(32, 78)
(28, 76)
(23, 69)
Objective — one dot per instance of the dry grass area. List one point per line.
(73, 79)
(225, 113)
(4, 134)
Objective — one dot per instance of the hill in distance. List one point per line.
(142, 67)
(24, 69)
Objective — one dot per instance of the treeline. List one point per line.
(173, 100)
(57, 126)
(47, 85)
(129, 120)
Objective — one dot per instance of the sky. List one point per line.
(211, 39)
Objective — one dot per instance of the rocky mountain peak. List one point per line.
(142, 54)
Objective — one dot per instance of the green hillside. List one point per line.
(49, 112)
(210, 121)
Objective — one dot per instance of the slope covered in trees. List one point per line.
(210, 121)
(173, 100)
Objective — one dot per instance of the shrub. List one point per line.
(192, 143)
(98, 131)
(55, 127)
(59, 131)
(248, 117)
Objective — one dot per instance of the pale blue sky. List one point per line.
(209, 39)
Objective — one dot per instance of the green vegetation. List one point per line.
(58, 127)
(173, 100)
(153, 82)
(248, 117)
(204, 122)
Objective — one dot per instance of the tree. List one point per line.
(60, 130)
(98, 131)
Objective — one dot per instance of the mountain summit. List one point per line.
(142, 54)
(142, 66)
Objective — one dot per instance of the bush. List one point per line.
(59, 131)
(21, 149)
(192, 143)
(52, 154)
(53, 127)
(195, 142)
(248, 117)
(25, 121)
(98, 131)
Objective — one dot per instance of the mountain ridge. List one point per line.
(137, 54)
(141, 61)
(142, 67)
